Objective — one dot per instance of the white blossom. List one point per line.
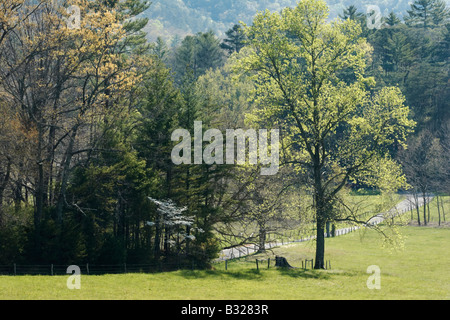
(171, 215)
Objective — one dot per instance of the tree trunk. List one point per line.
(320, 247)
(39, 191)
(320, 226)
(17, 195)
(321, 211)
(424, 209)
(65, 175)
(38, 211)
(416, 199)
(262, 240)
(442, 206)
(39, 196)
(188, 241)
(1, 208)
(5, 179)
(157, 248)
(439, 210)
(167, 233)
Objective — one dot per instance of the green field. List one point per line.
(416, 270)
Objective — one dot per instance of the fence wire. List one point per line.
(88, 269)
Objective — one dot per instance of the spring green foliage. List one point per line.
(310, 80)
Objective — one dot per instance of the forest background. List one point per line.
(88, 113)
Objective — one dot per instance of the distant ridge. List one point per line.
(174, 19)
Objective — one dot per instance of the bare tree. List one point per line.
(423, 166)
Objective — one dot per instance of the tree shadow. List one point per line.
(305, 274)
(322, 274)
(247, 274)
(254, 274)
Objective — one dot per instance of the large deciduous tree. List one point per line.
(309, 77)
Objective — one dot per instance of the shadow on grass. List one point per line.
(305, 274)
(246, 274)
(253, 274)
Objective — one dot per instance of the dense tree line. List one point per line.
(172, 19)
(88, 114)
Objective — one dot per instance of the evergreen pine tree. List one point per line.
(351, 12)
(198, 53)
(392, 19)
(235, 40)
(427, 13)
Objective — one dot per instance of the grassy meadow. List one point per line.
(416, 268)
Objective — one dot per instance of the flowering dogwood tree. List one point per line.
(175, 223)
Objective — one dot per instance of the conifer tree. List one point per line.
(198, 54)
(392, 19)
(427, 13)
(235, 40)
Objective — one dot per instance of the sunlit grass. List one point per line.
(418, 270)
